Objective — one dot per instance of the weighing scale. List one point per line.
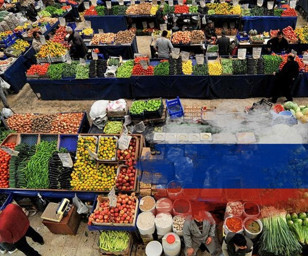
(55, 211)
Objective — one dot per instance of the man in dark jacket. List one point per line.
(285, 79)
(78, 48)
(278, 44)
(160, 18)
(223, 44)
(237, 245)
(209, 32)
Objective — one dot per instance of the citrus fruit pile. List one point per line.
(107, 148)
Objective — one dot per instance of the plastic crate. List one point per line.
(49, 137)
(175, 108)
(84, 125)
(68, 142)
(29, 139)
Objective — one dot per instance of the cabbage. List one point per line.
(295, 107)
(305, 111)
(302, 215)
(288, 105)
(302, 107)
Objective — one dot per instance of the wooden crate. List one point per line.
(126, 252)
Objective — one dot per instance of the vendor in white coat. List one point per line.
(199, 233)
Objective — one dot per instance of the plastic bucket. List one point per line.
(251, 210)
(181, 207)
(174, 189)
(250, 234)
(227, 230)
(145, 223)
(147, 204)
(163, 223)
(153, 248)
(171, 244)
(164, 205)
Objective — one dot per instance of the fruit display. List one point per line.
(299, 112)
(129, 156)
(108, 176)
(100, 10)
(113, 62)
(168, 9)
(181, 37)
(162, 69)
(271, 63)
(60, 123)
(55, 71)
(137, 107)
(139, 9)
(200, 70)
(44, 13)
(119, 9)
(38, 70)
(21, 45)
(87, 32)
(289, 34)
(215, 68)
(197, 36)
(126, 179)
(104, 38)
(257, 11)
(278, 12)
(193, 9)
(274, 32)
(181, 9)
(123, 213)
(236, 10)
(138, 70)
(154, 9)
(227, 68)
(4, 165)
(297, 59)
(107, 148)
(91, 11)
(125, 70)
(153, 105)
(187, 67)
(290, 12)
(223, 9)
(239, 66)
(114, 241)
(175, 66)
(82, 71)
(60, 35)
(124, 37)
(113, 127)
(54, 11)
(302, 34)
(51, 49)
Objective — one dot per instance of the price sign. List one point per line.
(144, 64)
(200, 59)
(170, 2)
(43, 29)
(245, 6)
(163, 27)
(202, 3)
(86, 5)
(305, 58)
(93, 2)
(180, 2)
(124, 141)
(256, 52)
(142, 1)
(151, 24)
(127, 120)
(154, 2)
(112, 198)
(121, 2)
(94, 56)
(62, 22)
(92, 154)
(144, 24)
(235, 2)
(87, 24)
(11, 152)
(222, 1)
(293, 4)
(68, 59)
(162, 1)
(185, 56)
(82, 61)
(100, 31)
(212, 1)
(66, 159)
(270, 5)
(241, 53)
(294, 52)
(193, 3)
(42, 39)
(176, 50)
(108, 4)
(132, 2)
(259, 3)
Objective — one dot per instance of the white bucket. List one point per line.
(171, 244)
(145, 223)
(164, 205)
(143, 199)
(153, 248)
(163, 223)
(248, 233)
(226, 229)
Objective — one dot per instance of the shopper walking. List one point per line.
(199, 233)
(15, 227)
(163, 45)
(284, 79)
(223, 44)
(237, 245)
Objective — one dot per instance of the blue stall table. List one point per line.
(109, 23)
(266, 23)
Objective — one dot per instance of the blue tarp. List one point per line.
(198, 87)
(109, 23)
(266, 23)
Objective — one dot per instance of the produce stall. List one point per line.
(110, 23)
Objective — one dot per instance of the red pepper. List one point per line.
(181, 9)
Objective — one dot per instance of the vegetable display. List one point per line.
(301, 65)
(299, 112)
(126, 178)
(138, 70)
(82, 71)
(215, 68)
(271, 63)
(239, 66)
(187, 67)
(252, 226)
(103, 38)
(181, 9)
(51, 49)
(107, 148)
(139, 9)
(69, 70)
(100, 10)
(113, 127)
(125, 70)
(162, 69)
(4, 166)
(55, 71)
(181, 37)
(137, 107)
(114, 241)
(298, 224)
(290, 34)
(302, 34)
(200, 70)
(119, 9)
(38, 69)
(175, 66)
(234, 224)
(124, 37)
(128, 156)
(227, 67)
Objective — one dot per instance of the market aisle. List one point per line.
(83, 244)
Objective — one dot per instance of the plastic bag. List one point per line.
(6, 112)
(41, 203)
(98, 109)
(81, 207)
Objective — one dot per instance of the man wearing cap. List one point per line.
(209, 32)
(199, 233)
(160, 18)
(223, 44)
(237, 245)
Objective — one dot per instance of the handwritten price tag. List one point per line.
(256, 52)
(241, 53)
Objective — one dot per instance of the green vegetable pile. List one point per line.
(4, 133)
(257, 11)
(55, 71)
(119, 10)
(58, 12)
(212, 48)
(193, 9)
(168, 9)
(298, 224)
(113, 62)
(114, 241)
(69, 70)
(227, 66)
(211, 12)
(100, 10)
(278, 12)
(37, 168)
(271, 63)
(113, 127)
(54, 11)
(200, 70)
(239, 66)
(82, 71)
(125, 70)
(137, 107)
(153, 105)
(44, 13)
(162, 69)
